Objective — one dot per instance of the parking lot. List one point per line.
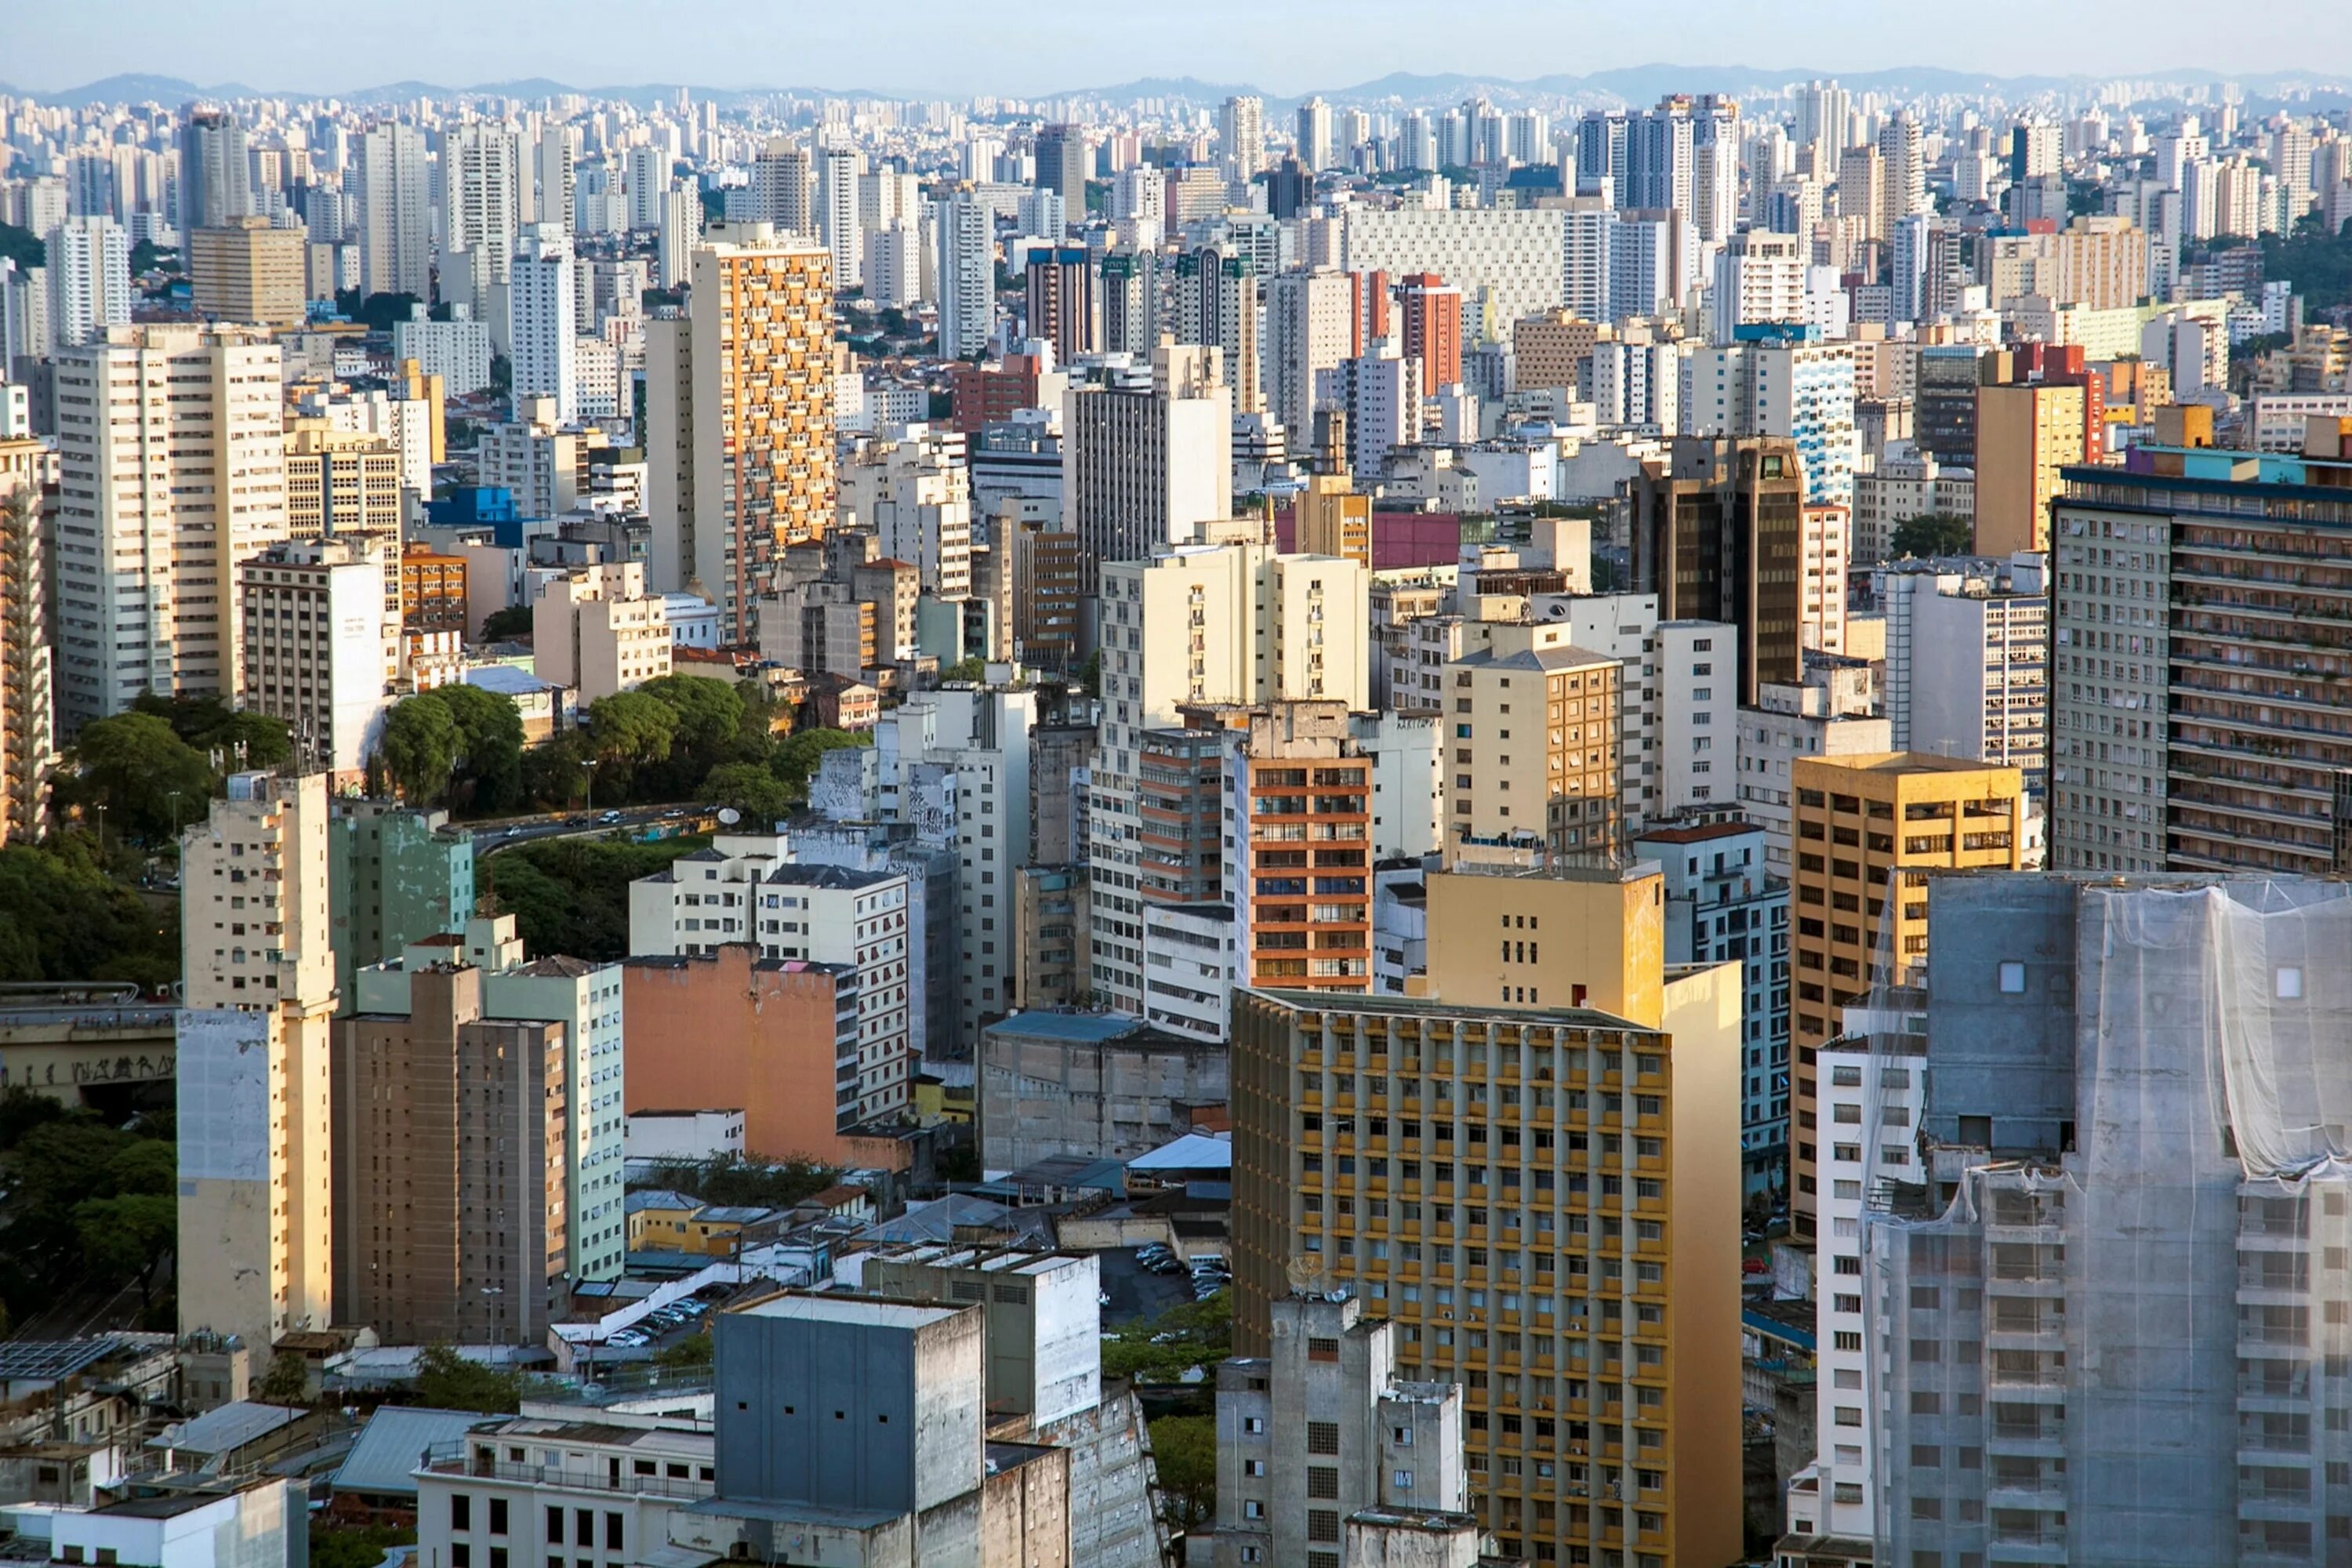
(1136, 1293)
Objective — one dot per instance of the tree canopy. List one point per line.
(134, 766)
(1932, 534)
(63, 918)
(447, 1381)
(572, 895)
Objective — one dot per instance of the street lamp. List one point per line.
(176, 814)
(101, 829)
(590, 763)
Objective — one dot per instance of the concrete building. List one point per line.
(742, 391)
(1784, 381)
(256, 1224)
(185, 1522)
(746, 888)
(250, 271)
(1717, 536)
(2024, 435)
(1102, 1086)
(321, 649)
(598, 631)
(1570, 1264)
(543, 333)
(1559, 802)
(89, 280)
(1896, 816)
(28, 674)
(1297, 798)
(1518, 258)
(1146, 471)
(1236, 624)
(392, 189)
(1968, 655)
(966, 274)
(395, 875)
(342, 482)
(450, 1133)
(178, 475)
(609, 1486)
(2159, 761)
(1310, 329)
(1325, 1455)
(1829, 714)
(458, 350)
(864, 1440)
(1724, 906)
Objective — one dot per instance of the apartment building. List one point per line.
(1719, 531)
(255, 1222)
(1828, 714)
(1148, 469)
(1235, 624)
(1968, 656)
(1499, 811)
(2024, 434)
(320, 649)
(1101, 1086)
(1866, 833)
(598, 631)
(1298, 797)
(744, 389)
(605, 1489)
(2198, 624)
(1541, 1197)
(28, 674)
(250, 273)
(177, 475)
(451, 1131)
(340, 482)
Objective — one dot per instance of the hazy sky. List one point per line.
(1030, 47)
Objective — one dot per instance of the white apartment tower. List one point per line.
(481, 182)
(392, 185)
(177, 476)
(540, 300)
(1310, 331)
(88, 279)
(1144, 470)
(321, 650)
(967, 274)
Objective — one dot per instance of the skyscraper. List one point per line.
(89, 280)
(544, 339)
(481, 182)
(392, 186)
(1432, 312)
(1143, 470)
(1241, 127)
(837, 171)
(178, 475)
(216, 181)
(1062, 164)
(555, 163)
(740, 393)
(967, 274)
(1061, 306)
(1314, 149)
(1309, 333)
(28, 689)
(781, 191)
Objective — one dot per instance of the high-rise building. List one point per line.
(449, 1141)
(1866, 832)
(1215, 305)
(1063, 164)
(1430, 312)
(27, 679)
(1145, 470)
(780, 192)
(1904, 190)
(395, 874)
(89, 280)
(1314, 137)
(966, 227)
(250, 271)
(1661, 160)
(178, 476)
(321, 645)
(741, 392)
(1967, 658)
(544, 336)
(1309, 333)
(1062, 306)
(216, 178)
(1190, 628)
(555, 159)
(256, 1215)
(2193, 690)
(392, 186)
(1719, 536)
(2025, 434)
(482, 179)
(1241, 135)
(597, 630)
(838, 170)
(1515, 1186)
(1759, 277)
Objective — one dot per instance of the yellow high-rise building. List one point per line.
(250, 272)
(741, 394)
(1531, 750)
(2025, 434)
(255, 1226)
(341, 481)
(1543, 1196)
(1864, 833)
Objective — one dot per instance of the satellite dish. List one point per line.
(730, 817)
(1304, 1271)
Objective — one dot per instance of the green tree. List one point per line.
(731, 1181)
(572, 895)
(489, 744)
(505, 625)
(62, 918)
(551, 775)
(128, 1237)
(709, 713)
(965, 669)
(447, 1381)
(419, 748)
(360, 1547)
(23, 247)
(288, 1381)
(690, 1351)
(1184, 1452)
(132, 764)
(796, 758)
(750, 788)
(1932, 534)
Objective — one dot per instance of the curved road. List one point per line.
(490, 837)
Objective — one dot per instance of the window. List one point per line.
(1323, 1437)
(2289, 987)
(1402, 1481)
(1322, 1482)
(2012, 978)
(555, 1527)
(461, 1511)
(497, 1515)
(1253, 1424)
(1322, 1524)
(612, 1529)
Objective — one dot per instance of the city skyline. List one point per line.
(259, 44)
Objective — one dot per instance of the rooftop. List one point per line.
(1698, 833)
(1421, 1007)
(863, 1312)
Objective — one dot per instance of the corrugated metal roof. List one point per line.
(393, 1443)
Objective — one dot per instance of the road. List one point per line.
(496, 836)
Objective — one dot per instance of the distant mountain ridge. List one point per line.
(1626, 84)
